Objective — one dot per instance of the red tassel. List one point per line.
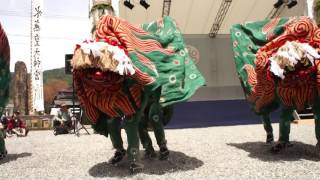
(78, 46)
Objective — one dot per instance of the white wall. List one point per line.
(217, 66)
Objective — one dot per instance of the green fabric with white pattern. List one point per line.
(177, 74)
(247, 39)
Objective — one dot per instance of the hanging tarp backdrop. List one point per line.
(222, 101)
(214, 58)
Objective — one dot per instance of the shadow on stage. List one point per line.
(177, 161)
(14, 157)
(262, 151)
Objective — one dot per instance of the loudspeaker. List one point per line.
(68, 67)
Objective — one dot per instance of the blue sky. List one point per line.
(65, 23)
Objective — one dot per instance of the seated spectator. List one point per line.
(62, 121)
(16, 126)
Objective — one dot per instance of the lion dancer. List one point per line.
(278, 64)
(4, 83)
(133, 74)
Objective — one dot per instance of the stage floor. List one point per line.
(202, 153)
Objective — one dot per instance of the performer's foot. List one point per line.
(318, 147)
(150, 153)
(164, 153)
(270, 138)
(118, 156)
(280, 146)
(136, 167)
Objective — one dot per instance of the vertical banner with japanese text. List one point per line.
(309, 5)
(36, 64)
(115, 5)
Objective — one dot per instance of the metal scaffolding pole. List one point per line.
(224, 7)
(275, 12)
(166, 7)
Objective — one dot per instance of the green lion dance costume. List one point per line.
(279, 65)
(4, 83)
(130, 77)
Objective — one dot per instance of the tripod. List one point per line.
(78, 126)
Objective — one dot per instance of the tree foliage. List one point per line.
(57, 74)
(51, 89)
